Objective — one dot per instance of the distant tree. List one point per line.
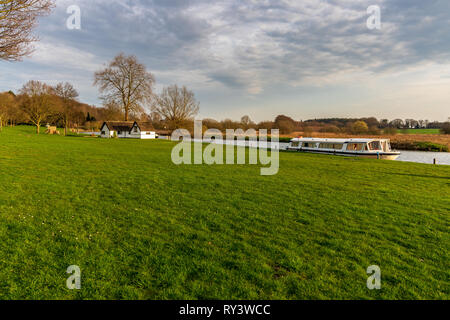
(397, 123)
(330, 128)
(360, 127)
(176, 105)
(371, 122)
(374, 130)
(37, 102)
(78, 118)
(18, 18)
(67, 93)
(230, 124)
(384, 123)
(446, 128)
(267, 125)
(212, 124)
(126, 83)
(111, 112)
(285, 124)
(247, 123)
(8, 108)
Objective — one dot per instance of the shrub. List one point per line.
(391, 131)
(419, 146)
(360, 127)
(446, 128)
(330, 128)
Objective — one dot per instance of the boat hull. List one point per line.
(381, 155)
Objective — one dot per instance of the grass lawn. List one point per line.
(420, 131)
(141, 227)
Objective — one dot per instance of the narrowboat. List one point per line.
(367, 148)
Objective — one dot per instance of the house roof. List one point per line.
(145, 126)
(119, 125)
(163, 132)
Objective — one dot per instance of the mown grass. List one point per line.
(141, 227)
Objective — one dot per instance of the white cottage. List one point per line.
(127, 129)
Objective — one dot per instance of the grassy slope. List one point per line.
(141, 227)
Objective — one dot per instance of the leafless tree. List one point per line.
(176, 105)
(37, 102)
(8, 108)
(67, 93)
(18, 18)
(127, 83)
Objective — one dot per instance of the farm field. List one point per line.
(141, 227)
(420, 131)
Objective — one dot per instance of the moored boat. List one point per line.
(367, 148)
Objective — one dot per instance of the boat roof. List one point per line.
(359, 140)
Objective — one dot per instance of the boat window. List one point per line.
(295, 144)
(335, 146)
(355, 146)
(309, 145)
(375, 145)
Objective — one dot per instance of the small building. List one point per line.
(128, 129)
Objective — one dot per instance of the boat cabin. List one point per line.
(380, 148)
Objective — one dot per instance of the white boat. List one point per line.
(366, 148)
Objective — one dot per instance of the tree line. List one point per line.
(369, 125)
(126, 89)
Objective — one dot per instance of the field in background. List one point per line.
(420, 131)
(142, 228)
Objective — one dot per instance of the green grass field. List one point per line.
(420, 131)
(140, 227)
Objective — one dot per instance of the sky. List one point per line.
(304, 58)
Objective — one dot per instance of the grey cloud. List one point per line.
(254, 44)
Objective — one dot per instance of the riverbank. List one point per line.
(419, 146)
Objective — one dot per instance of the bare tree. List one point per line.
(176, 105)
(127, 83)
(37, 102)
(18, 18)
(67, 93)
(7, 108)
(247, 123)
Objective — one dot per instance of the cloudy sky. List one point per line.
(304, 58)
